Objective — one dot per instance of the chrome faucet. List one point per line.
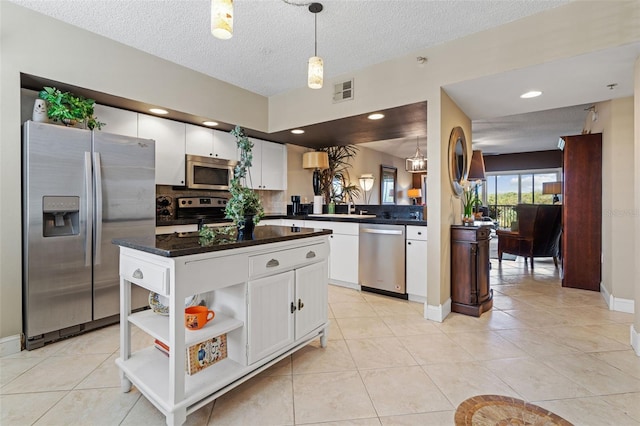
(351, 207)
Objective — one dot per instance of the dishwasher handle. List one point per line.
(381, 231)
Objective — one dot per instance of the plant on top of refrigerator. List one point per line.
(68, 108)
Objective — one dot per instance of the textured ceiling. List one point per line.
(273, 40)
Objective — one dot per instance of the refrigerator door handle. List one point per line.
(97, 172)
(89, 209)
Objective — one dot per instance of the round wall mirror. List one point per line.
(458, 167)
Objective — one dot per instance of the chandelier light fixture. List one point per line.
(316, 66)
(222, 19)
(417, 163)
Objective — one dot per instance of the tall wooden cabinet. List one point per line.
(470, 289)
(582, 211)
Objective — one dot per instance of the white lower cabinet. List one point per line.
(285, 307)
(343, 261)
(416, 262)
(270, 318)
(311, 298)
(344, 245)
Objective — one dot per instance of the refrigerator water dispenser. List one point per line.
(60, 216)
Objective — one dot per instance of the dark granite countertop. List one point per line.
(186, 243)
(358, 219)
(352, 218)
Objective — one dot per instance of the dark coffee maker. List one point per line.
(295, 205)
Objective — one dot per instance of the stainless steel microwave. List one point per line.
(209, 173)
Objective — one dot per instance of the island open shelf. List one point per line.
(158, 326)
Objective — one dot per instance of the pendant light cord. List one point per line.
(315, 34)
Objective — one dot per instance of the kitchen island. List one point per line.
(269, 296)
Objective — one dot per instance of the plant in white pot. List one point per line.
(68, 109)
(244, 207)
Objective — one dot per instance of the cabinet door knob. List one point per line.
(293, 307)
(419, 233)
(138, 274)
(409, 242)
(311, 254)
(273, 263)
(300, 304)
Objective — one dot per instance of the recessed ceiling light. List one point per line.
(210, 123)
(297, 131)
(375, 116)
(531, 94)
(159, 111)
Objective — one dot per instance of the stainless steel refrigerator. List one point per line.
(80, 190)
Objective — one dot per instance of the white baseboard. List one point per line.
(10, 345)
(416, 298)
(345, 284)
(616, 303)
(623, 305)
(438, 313)
(635, 339)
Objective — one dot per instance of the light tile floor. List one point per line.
(558, 348)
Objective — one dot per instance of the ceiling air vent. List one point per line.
(343, 91)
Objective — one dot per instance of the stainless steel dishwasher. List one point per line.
(381, 259)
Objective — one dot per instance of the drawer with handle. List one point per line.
(416, 232)
(283, 260)
(145, 274)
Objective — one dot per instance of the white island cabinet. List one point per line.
(269, 296)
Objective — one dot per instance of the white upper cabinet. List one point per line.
(210, 143)
(170, 147)
(118, 121)
(269, 169)
(199, 141)
(224, 145)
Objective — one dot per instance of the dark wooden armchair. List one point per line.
(538, 234)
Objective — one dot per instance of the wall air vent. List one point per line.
(343, 91)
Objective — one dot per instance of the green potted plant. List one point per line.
(333, 181)
(69, 109)
(244, 207)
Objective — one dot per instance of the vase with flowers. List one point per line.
(469, 201)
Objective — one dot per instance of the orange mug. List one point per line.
(195, 317)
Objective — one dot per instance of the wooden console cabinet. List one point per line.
(470, 292)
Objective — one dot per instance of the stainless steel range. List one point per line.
(200, 207)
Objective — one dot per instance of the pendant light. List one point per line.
(316, 66)
(222, 19)
(417, 163)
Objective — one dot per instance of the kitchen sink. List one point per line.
(353, 215)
